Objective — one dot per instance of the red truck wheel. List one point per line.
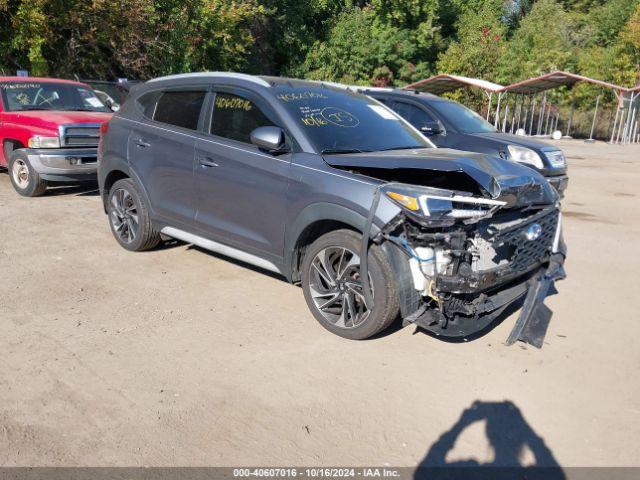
(24, 178)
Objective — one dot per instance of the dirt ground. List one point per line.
(179, 357)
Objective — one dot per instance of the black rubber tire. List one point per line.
(386, 303)
(147, 237)
(36, 186)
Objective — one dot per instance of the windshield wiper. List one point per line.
(23, 109)
(338, 151)
(78, 110)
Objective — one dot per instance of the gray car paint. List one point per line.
(254, 201)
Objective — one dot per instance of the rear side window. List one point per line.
(147, 103)
(235, 117)
(412, 114)
(181, 109)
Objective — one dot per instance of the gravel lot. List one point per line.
(180, 357)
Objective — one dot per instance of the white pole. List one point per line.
(533, 112)
(620, 125)
(489, 105)
(595, 115)
(633, 119)
(615, 123)
(504, 120)
(496, 118)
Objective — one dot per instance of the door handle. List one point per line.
(207, 162)
(142, 143)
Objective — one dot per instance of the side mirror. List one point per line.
(432, 128)
(114, 106)
(270, 139)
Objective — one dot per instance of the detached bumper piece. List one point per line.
(531, 326)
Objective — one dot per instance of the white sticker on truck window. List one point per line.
(94, 102)
(383, 112)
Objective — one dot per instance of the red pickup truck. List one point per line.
(49, 130)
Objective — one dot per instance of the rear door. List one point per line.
(161, 151)
(240, 189)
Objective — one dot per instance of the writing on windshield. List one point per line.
(345, 121)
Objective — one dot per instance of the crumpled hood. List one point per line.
(500, 179)
(52, 119)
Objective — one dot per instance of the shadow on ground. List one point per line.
(80, 189)
(518, 451)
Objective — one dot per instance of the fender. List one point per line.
(321, 211)
(120, 164)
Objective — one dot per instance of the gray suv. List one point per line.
(336, 192)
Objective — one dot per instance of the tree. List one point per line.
(480, 44)
(542, 43)
(361, 49)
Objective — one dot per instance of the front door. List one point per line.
(240, 189)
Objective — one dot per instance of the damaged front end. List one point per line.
(470, 258)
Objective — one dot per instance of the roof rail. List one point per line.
(240, 76)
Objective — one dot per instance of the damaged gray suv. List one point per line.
(335, 192)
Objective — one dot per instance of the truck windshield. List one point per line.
(461, 118)
(342, 121)
(34, 95)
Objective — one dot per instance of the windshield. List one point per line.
(461, 118)
(21, 96)
(342, 121)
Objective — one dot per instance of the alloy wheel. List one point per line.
(336, 287)
(124, 215)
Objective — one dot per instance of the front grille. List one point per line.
(80, 135)
(524, 253)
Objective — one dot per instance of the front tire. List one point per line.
(25, 180)
(333, 289)
(129, 217)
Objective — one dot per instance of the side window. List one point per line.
(181, 109)
(412, 114)
(147, 103)
(235, 117)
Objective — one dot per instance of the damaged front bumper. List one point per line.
(464, 301)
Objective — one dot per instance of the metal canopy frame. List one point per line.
(626, 123)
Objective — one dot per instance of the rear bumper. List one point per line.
(64, 164)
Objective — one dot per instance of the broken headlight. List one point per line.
(438, 204)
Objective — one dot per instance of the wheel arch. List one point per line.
(8, 146)
(312, 222)
(119, 171)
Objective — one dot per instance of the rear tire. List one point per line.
(333, 290)
(25, 180)
(129, 217)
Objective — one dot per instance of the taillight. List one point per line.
(104, 128)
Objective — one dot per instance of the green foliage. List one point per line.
(363, 47)
(541, 44)
(480, 44)
(381, 42)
